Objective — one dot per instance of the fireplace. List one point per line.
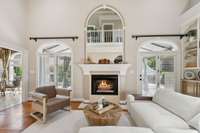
(104, 84)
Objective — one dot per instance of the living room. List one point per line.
(122, 59)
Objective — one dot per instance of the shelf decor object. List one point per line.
(198, 74)
(191, 51)
(189, 75)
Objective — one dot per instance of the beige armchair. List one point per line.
(49, 99)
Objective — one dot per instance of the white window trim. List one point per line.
(93, 26)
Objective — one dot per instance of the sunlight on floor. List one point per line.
(10, 100)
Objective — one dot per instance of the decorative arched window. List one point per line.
(105, 35)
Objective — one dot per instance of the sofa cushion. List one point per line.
(151, 115)
(195, 122)
(115, 130)
(174, 130)
(50, 91)
(184, 106)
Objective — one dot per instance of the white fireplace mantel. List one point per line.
(88, 69)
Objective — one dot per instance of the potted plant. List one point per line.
(18, 72)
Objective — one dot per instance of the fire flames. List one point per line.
(105, 85)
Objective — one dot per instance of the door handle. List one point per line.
(140, 77)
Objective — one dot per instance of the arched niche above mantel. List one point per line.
(104, 36)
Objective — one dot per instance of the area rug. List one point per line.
(68, 122)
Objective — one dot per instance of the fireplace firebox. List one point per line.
(104, 84)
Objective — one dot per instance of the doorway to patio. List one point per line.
(157, 64)
(11, 74)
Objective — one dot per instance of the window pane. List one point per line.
(55, 70)
(167, 73)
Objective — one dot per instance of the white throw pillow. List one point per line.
(195, 122)
(130, 98)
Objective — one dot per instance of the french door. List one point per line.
(157, 71)
(55, 70)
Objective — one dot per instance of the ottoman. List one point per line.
(115, 129)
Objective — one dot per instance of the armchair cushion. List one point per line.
(56, 103)
(50, 91)
(63, 91)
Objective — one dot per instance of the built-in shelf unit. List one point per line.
(191, 52)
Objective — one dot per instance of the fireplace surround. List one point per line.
(104, 84)
(104, 69)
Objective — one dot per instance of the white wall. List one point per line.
(67, 17)
(13, 22)
(13, 29)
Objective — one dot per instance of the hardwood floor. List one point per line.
(17, 118)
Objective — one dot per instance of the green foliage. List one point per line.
(18, 71)
(64, 72)
(152, 63)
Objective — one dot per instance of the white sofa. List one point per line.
(113, 129)
(168, 112)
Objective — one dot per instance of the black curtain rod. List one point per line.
(161, 35)
(42, 38)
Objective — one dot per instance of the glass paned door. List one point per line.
(63, 71)
(148, 77)
(47, 70)
(157, 71)
(167, 72)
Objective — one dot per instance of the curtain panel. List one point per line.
(5, 55)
